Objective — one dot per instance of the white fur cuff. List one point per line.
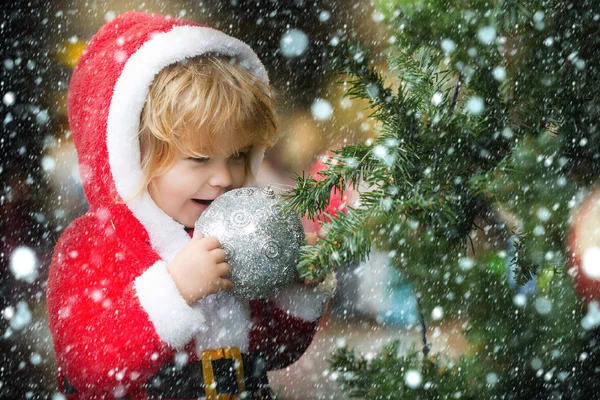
(175, 322)
(305, 302)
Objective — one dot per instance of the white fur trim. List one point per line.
(256, 156)
(228, 321)
(305, 302)
(175, 322)
(166, 235)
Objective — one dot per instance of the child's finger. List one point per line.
(210, 243)
(219, 255)
(313, 282)
(197, 234)
(311, 238)
(225, 283)
(223, 269)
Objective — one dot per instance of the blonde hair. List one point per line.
(204, 106)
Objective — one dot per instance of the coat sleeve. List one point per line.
(285, 324)
(115, 315)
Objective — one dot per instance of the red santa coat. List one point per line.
(115, 314)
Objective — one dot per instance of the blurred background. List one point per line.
(41, 192)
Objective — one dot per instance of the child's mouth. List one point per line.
(203, 201)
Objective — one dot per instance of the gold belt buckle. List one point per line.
(210, 387)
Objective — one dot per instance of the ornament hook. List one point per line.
(268, 192)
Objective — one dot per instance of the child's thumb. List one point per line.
(197, 234)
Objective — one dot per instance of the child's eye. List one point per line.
(199, 159)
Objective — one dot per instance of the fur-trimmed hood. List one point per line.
(106, 96)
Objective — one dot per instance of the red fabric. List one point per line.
(582, 237)
(287, 336)
(99, 328)
(104, 342)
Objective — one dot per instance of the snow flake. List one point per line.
(294, 43)
(499, 73)
(8, 99)
(324, 16)
(42, 118)
(413, 378)
(321, 110)
(543, 305)
(345, 103)
(22, 317)
(120, 56)
(9, 64)
(492, 378)
(448, 46)
(520, 300)
(592, 318)
(539, 230)
(377, 16)
(181, 359)
(538, 19)
(372, 91)
(487, 34)
(119, 391)
(387, 204)
(48, 164)
(35, 358)
(24, 263)
(543, 214)
(381, 152)
(475, 105)
(437, 99)
(437, 313)
(536, 363)
(466, 263)
(507, 133)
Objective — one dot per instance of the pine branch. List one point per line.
(523, 270)
(347, 240)
(426, 346)
(456, 92)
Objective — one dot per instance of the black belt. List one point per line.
(187, 381)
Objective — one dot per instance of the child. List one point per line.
(166, 115)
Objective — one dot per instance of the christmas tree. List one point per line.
(487, 144)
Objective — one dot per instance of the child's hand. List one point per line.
(311, 239)
(200, 269)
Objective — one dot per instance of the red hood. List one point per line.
(90, 95)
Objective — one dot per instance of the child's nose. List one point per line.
(221, 176)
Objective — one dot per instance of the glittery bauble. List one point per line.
(262, 241)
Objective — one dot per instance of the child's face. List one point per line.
(188, 188)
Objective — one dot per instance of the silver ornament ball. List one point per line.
(262, 242)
